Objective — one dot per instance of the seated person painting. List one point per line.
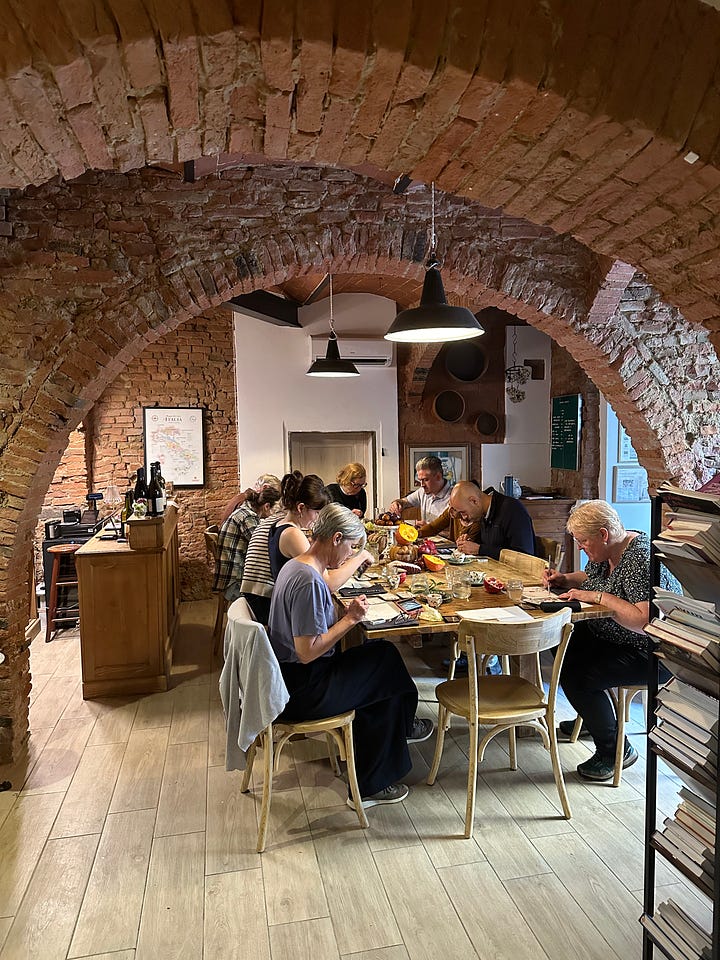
(432, 497)
(607, 652)
(234, 537)
(322, 680)
(500, 522)
(350, 488)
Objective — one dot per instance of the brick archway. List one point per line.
(99, 268)
(581, 123)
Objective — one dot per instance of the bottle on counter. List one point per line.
(161, 481)
(155, 498)
(141, 490)
(126, 513)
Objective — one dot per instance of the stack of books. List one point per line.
(688, 633)
(678, 935)
(689, 546)
(686, 735)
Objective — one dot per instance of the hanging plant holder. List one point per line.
(516, 375)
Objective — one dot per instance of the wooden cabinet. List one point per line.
(129, 601)
(549, 518)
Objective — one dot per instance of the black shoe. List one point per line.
(565, 729)
(422, 729)
(600, 767)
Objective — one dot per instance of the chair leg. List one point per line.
(472, 781)
(576, 729)
(352, 778)
(512, 734)
(620, 745)
(219, 620)
(439, 742)
(267, 790)
(247, 773)
(557, 770)
(332, 755)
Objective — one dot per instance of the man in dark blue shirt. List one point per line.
(504, 523)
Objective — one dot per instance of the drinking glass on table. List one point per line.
(461, 588)
(392, 578)
(514, 590)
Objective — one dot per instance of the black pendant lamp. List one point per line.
(435, 320)
(332, 364)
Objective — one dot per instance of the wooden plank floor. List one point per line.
(124, 837)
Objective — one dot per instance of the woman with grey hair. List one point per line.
(323, 681)
(605, 652)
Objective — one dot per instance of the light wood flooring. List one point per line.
(123, 837)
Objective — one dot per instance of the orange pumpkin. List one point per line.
(432, 563)
(405, 534)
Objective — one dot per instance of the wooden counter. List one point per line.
(129, 601)
(549, 518)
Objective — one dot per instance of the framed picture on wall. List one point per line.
(626, 453)
(175, 437)
(455, 461)
(630, 485)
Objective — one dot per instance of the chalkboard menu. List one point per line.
(565, 432)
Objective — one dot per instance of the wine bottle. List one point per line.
(161, 481)
(155, 495)
(141, 490)
(127, 512)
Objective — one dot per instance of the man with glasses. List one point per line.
(350, 488)
(432, 497)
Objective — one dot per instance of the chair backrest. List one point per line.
(523, 562)
(548, 548)
(211, 542)
(518, 638)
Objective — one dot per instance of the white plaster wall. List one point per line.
(526, 451)
(275, 397)
(635, 516)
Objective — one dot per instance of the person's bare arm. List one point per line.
(309, 648)
(336, 578)
(293, 542)
(564, 581)
(632, 616)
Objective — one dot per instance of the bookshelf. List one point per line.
(684, 719)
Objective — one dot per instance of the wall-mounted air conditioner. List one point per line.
(368, 352)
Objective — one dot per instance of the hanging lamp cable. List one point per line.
(333, 335)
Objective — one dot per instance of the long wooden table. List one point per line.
(479, 599)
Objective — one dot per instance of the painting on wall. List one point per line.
(630, 485)
(455, 461)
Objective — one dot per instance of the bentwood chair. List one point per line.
(272, 738)
(621, 700)
(504, 702)
(213, 552)
(524, 563)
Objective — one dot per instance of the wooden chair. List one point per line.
(548, 548)
(273, 737)
(213, 551)
(622, 700)
(524, 563)
(60, 607)
(503, 702)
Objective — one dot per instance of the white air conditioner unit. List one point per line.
(369, 352)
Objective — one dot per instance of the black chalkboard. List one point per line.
(565, 432)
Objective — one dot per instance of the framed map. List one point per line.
(175, 437)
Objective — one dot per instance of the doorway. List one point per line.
(325, 453)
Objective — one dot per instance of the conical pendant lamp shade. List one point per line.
(435, 320)
(332, 364)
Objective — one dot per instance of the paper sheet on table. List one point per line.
(381, 611)
(537, 594)
(382, 598)
(503, 614)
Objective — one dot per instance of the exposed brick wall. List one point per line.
(574, 121)
(567, 378)
(191, 367)
(98, 270)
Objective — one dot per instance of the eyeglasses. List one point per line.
(358, 483)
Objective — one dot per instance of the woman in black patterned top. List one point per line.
(605, 652)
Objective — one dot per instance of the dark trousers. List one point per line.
(592, 666)
(373, 681)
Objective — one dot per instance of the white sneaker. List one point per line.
(395, 793)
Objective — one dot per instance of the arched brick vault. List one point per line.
(574, 115)
(97, 269)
